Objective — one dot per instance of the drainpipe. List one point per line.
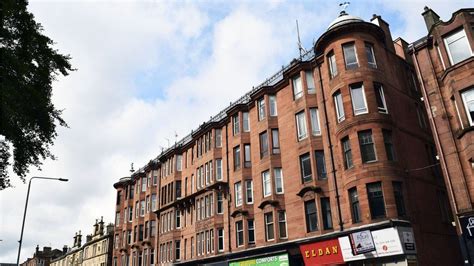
(228, 186)
(341, 224)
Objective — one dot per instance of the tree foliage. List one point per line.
(28, 66)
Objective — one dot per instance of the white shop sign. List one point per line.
(387, 243)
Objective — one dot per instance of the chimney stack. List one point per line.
(64, 249)
(377, 20)
(79, 239)
(430, 17)
(101, 226)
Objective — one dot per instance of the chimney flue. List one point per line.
(431, 18)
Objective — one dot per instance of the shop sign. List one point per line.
(277, 260)
(467, 226)
(362, 242)
(321, 253)
(386, 243)
(408, 239)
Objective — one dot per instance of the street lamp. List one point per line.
(26, 206)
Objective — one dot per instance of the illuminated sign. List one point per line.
(320, 253)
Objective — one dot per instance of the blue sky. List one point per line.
(148, 69)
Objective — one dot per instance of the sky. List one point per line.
(150, 70)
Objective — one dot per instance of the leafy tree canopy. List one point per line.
(28, 66)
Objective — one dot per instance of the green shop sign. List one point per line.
(277, 260)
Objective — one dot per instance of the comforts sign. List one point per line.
(321, 253)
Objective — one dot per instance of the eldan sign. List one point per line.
(362, 242)
(322, 253)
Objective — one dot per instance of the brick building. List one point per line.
(96, 251)
(329, 161)
(42, 257)
(445, 64)
(135, 222)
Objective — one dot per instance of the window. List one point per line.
(355, 209)
(218, 169)
(346, 146)
(178, 218)
(311, 216)
(398, 194)
(263, 144)
(282, 224)
(178, 189)
(369, 51)
(261, 109)
(387, 140)
(238, 194)
(142, 208)
(130, 213)
(367, 148)
(315, 127)
(247, 162)
(152, 228)
(332, 64)
(326, 211)
(266, 183)
(297, 88)
(273, 105)
(380, 98)
(251, 231)
(153, 202)
(211, 238)
(301, 125)
(249, 191)
(239, 233)
(237, 158)
(220, 239)
(305, 164)
(320, 165)
(148, 203)
(235, 124)
(119, 196)
(117, 219)
(310, 82)
(275, 142)
(269, 233)
(179, 162)
(177, 252)
(376, 203)
(143, 184)
(218, 133)
(277, 174)
(358, 99)
(246, 122)
(350, 56)
(457, 46)
(339, 107)
(468, 99)
(220, 203)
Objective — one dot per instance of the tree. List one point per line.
(28, 66)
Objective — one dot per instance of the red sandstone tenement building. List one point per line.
(445, 65)
(329, 161)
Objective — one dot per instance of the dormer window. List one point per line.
(457, 46)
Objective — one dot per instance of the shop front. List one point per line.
(393, 245)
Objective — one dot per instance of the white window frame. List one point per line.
(272, 102)
(261, 109)
(383, 109)
(249, 190)
(465, 101)
(220, 235)
(372, 54)
(271, 222)
(332, 64)
(238, 194)
(267, 190)
(286, 225)
(236, 124)
(339, 105)
(315, 124)
(218, 133)
(356, 63)
(297, 87)
(301, 128)
(218, 169)
(237, 231)
(278, 180)
(462, 33)
(358, 111)
(245, 122)
(310, 85)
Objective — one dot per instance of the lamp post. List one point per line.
(26, 206)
